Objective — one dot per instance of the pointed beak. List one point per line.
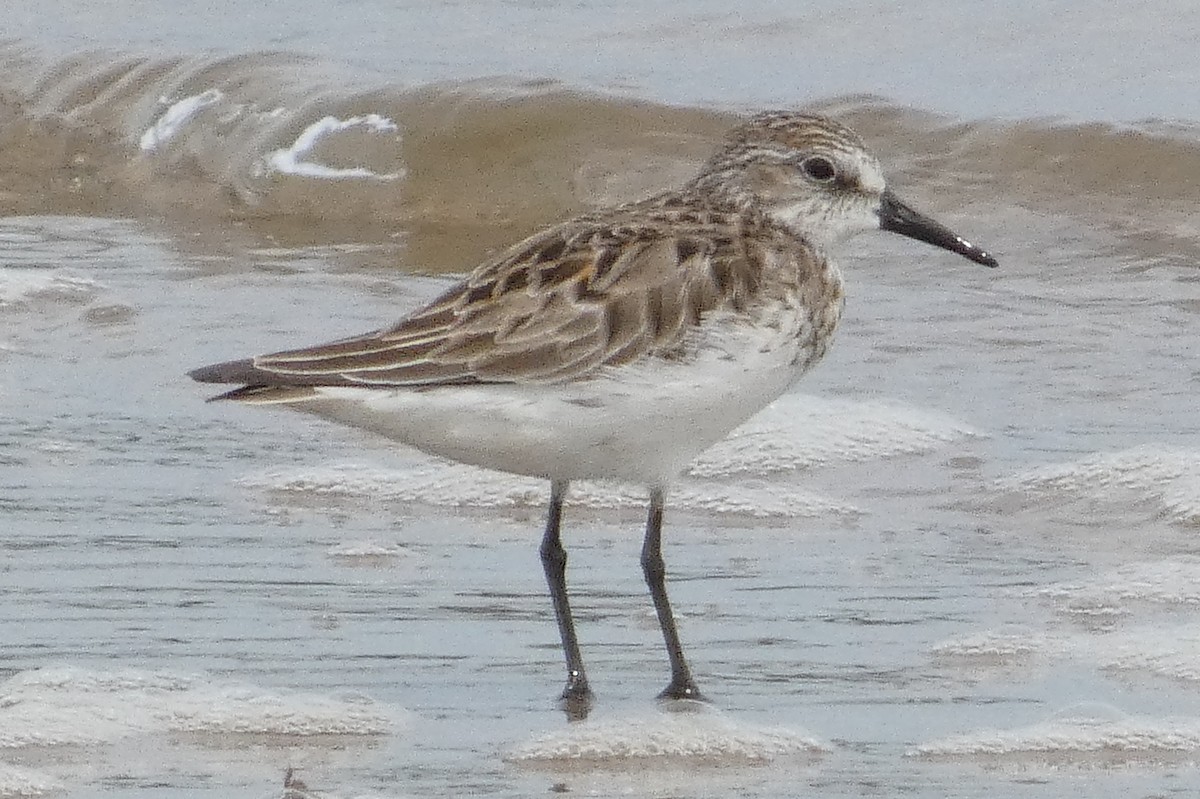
(899, 218)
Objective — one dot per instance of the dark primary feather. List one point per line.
(596, 292)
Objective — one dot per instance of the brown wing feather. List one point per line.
(558, 306)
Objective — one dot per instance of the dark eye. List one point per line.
(818, 167)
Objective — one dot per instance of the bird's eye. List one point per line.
(819, 168)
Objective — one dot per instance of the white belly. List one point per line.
(641, 422)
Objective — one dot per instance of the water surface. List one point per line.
(958, 560)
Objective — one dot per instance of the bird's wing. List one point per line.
(556, 307)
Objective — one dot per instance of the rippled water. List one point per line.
(958, 561)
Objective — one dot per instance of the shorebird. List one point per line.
(619, 344)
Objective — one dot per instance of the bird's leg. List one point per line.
(576, 695)
(682, 686)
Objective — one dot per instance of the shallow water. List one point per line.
(958, 561)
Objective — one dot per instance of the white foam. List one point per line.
(1171, 651)
(704, 737)
(65, 705)
(1174, 582)
(292, 160)
(177, 115)
(1167, 652)
(456, 486)
(369, 550)
(20, 287)
(1168, 478)
(1095, 735)
(16, 781)
(831, 431)
(993, 646)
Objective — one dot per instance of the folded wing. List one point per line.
(558, 306)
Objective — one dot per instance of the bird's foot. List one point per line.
(576, 699)
(684, 694)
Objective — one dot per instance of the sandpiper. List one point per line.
(619, 344)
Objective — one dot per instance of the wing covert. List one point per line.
(558, 306)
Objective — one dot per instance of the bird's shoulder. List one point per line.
(671, 239)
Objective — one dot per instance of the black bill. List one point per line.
(899, 218)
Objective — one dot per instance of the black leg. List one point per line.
(682, 686)
(576, 696)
